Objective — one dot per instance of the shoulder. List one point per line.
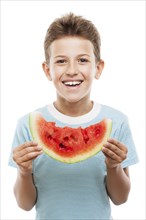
(24, 119)
(113, 113)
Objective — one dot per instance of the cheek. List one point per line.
(89, 72)
(56, 72)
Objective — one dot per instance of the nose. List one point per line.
(72, 69)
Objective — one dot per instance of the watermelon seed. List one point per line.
(62, 146)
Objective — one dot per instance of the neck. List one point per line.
(74, 109)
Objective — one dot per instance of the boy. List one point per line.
(81, 190)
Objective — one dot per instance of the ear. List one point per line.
(99, 67)
(46, 70)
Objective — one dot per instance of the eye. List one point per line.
(61, 61)
(83, 60)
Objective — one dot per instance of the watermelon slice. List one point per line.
(66, 144)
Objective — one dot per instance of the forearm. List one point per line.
(25, 191)
(118, 184)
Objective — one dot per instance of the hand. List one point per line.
(115, 152)
(24, 154)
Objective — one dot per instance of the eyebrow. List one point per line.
(79, 55)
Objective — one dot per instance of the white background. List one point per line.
(25, 87)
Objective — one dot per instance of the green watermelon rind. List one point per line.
(34, 116)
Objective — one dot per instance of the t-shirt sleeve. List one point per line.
(22, 135)
(125, 136)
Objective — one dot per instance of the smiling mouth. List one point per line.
(72, 83)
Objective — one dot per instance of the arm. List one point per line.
(117, 179)
(25, 191)
(118, 184)
(24, 188)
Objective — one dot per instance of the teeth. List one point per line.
(73, 83)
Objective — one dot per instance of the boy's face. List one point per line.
(72, 68)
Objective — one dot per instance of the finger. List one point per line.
(28, 157)
(119, 144)
(112, 148)
(26, 153)
(25, 150)
(114, 152)
(25, 145)
(111, 155)
(30, 149)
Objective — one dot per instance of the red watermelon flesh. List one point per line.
(66, 144)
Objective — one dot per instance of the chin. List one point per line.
(73, 100)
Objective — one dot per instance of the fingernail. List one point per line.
(109, 139)
(103, 148)
(34, 142)
(39, 147)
